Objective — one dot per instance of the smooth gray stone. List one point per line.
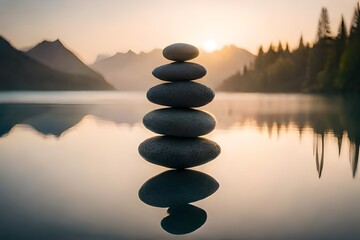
(181, 94)
(175, 152)
(177, 187)
(180, 52)
(179, 122)
(179, 72)
(183, 219)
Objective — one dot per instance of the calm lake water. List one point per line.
(70, 168)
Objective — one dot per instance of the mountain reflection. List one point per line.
(46, 119)
(324, 115)
(56, 119)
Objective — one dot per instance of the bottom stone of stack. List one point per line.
(178, 152)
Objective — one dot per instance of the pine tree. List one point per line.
(342, 33)
(245, 70)
(320, 57)
(301, 42)
(270, 56)
(340, 44)
(300, 57)
(335, 49)
(341, 40)
(261, 51)
(348, 78)
(280, 49)
(324, 31)
(287, 49)
(259, 60)
(271, 49)
(355, 25)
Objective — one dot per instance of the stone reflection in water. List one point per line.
(175, 189)
(183, 219)
(181, 147)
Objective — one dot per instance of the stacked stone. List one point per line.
(180, 124)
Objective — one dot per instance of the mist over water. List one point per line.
(69, 167)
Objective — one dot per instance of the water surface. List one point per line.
(70, 169)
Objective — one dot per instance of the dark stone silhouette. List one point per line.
(180, 52)
(180, 94)
(175, 152)
(177, 187)
(183, 219)
(179, 122)
(179, 72)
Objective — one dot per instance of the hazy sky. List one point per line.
(92, 27)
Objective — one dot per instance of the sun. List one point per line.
(210, 45)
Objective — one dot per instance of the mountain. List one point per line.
(101, 57)
(20, 72)
(57, 56)
(224, 63)
(131, 71)
(25, 49)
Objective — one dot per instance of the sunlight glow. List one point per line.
(210, 45)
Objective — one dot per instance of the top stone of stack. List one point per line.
(179, 70)
(180, 52)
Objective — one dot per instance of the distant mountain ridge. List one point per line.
(18, 71)
(101, 57)
(125, 71)
(55, 55)
(131, 71)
